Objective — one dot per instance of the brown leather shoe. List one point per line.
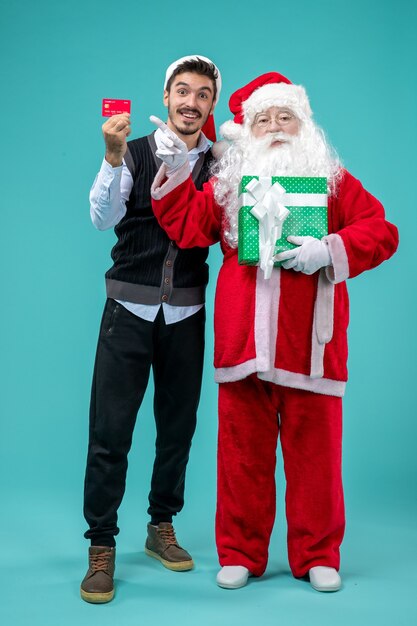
(97, 586)
(162, 544)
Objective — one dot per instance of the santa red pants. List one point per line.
(251, 414)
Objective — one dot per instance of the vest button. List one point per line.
(164, 298)
(168, 263)
(173, 244)
(166, 281)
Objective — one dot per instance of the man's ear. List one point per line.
(165, 98)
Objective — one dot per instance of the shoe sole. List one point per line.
(325, 589)
(231, 585)
(180, 566)
(97, 598)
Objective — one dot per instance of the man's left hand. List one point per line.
(310, 255)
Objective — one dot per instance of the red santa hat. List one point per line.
(271, 89)
(209, 128)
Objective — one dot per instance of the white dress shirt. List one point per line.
(108, 196)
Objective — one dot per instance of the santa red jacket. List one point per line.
(292, 328)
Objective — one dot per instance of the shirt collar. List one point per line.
(202, 146)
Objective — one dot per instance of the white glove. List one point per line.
(171, 149)
(310, 255)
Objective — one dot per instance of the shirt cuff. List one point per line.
(164, 183)
(109, 172)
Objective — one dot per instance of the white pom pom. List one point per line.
(219, 148)
(230, 130)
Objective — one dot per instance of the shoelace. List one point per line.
(168, 535)
(100, 562)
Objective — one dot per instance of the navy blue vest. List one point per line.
(148, 267)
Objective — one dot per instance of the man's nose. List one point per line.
(192, 100)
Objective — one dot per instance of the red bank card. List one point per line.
(114, 107)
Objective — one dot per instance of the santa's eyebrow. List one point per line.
(280, 110)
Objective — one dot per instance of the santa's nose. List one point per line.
(273, 126)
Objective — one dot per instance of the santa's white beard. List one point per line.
(273, 155)
(305, 154)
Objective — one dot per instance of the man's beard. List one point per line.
(304, 154)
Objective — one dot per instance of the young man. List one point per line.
(280, 332)
(153, 318)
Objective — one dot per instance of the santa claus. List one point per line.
(280, 332)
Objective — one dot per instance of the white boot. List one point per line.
(232, 576)
(324, 578)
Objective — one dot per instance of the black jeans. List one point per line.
(127, 349)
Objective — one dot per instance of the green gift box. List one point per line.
(304, 197)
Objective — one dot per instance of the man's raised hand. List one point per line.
(170, 148)
(115, 131)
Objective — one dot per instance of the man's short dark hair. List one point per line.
(196, 66)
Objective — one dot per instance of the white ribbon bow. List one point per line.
(270, 211)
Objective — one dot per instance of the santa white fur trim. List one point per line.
(280, 95)
(231, 131)
(219, 148)
(338, 271)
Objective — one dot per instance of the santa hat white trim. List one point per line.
(230, 130)
(293, 97)
(280, 95)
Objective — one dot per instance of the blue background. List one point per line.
(357, 62)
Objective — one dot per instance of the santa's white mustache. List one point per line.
(271, 138)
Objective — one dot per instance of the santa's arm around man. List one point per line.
(281, 343)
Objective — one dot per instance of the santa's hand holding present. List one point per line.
(310, 255)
